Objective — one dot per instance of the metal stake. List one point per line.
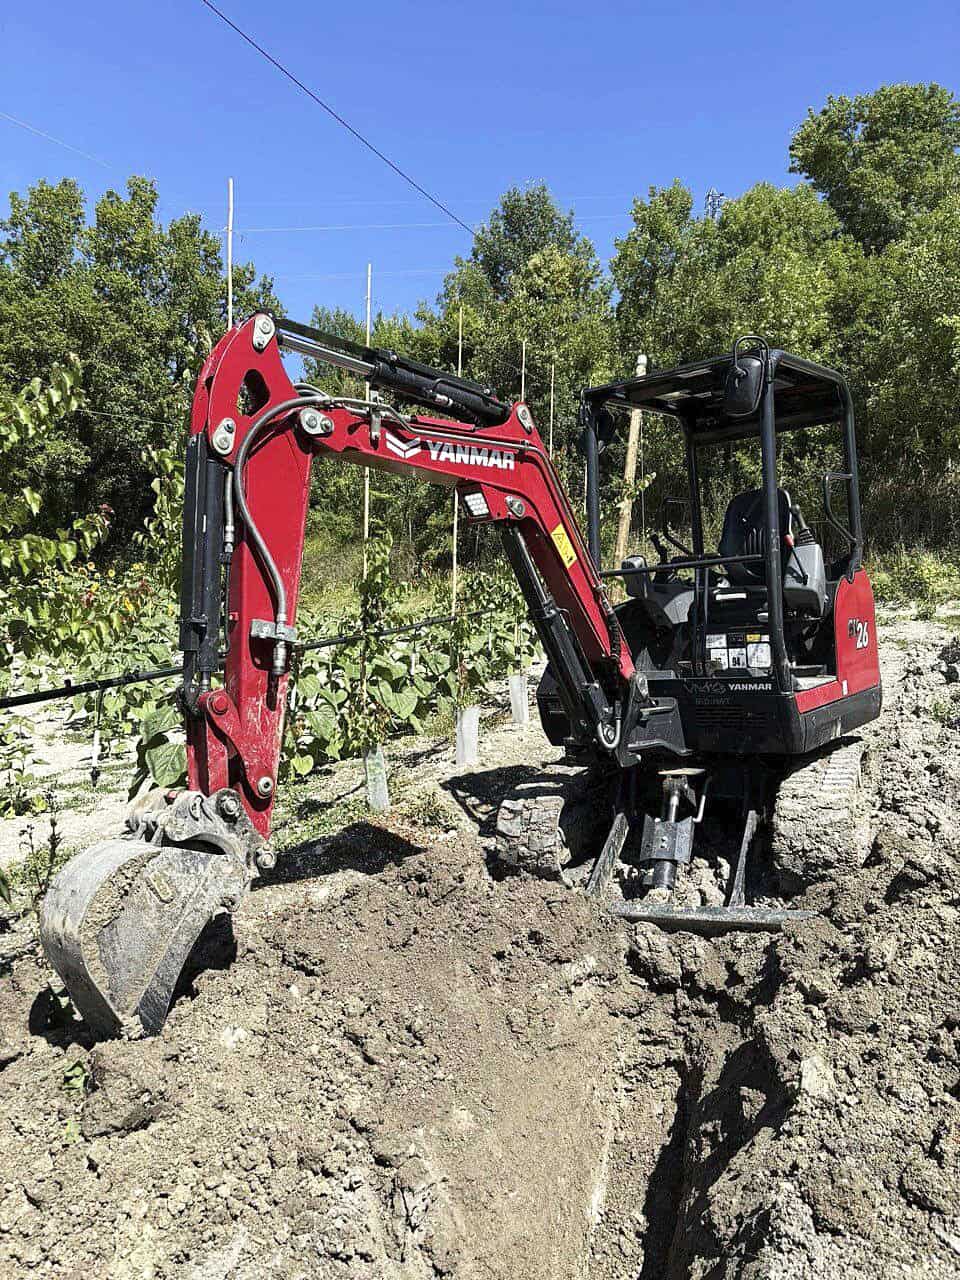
(553, 368)
(456, 495)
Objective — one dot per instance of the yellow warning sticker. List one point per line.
(563, 545)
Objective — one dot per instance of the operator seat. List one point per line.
(742, 535)
(804, 574)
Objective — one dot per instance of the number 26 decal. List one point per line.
(859, 628)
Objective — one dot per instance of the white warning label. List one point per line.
(738, 651)
(758, 655)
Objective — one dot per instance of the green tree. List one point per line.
(881, 158)
(524, 223)
(530, 277)
(770, 265)
(775, 263)
(141, 301)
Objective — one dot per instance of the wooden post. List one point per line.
(629, 476)
(366, 470)
(229, 254)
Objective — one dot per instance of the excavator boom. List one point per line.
(122, 917)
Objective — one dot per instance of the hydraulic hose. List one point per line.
(253, 533)
(309, 395)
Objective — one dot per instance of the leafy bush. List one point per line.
(915, 576)
(20, 788)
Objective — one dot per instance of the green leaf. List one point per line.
(167, 763)
(335, 697)
(309, 685)
(159, 721)
(401, 703)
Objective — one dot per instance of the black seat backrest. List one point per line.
(742, 534)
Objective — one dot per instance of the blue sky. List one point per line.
(600, 101)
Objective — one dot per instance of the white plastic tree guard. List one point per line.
(519, 703)
(468, 737)
(375, 767)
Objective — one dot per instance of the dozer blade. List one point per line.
(711, 920)
(120, 920)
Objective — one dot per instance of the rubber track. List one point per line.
(545, 824)
(818, 822)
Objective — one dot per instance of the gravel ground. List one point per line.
(400, 1067)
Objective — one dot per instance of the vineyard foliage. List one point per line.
(343, 700)
(347, 698)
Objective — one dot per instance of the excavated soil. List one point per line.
(403, 1067)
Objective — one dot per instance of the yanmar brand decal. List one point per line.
(446, 451)
(405, 451)
(717, 688)
(472, 455)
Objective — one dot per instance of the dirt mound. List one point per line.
(402, 1067)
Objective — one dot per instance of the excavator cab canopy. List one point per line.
(753, 392)
(701, 395)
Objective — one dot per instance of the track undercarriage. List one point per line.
(788, 828)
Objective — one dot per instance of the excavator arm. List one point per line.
(122, 918)
(247, 491)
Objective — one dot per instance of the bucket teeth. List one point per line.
(120, 920)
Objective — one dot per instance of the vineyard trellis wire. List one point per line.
(402, 685)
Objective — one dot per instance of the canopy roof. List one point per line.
(805, 394)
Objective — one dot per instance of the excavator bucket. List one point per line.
(120, 919)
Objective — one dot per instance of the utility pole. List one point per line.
(550, 445)
(456, 496)
(629, 475)
(366, 470)
(229, 254)
(523, 372)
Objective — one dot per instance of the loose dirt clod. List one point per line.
(411, 1069)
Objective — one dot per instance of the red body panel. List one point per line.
(238, 743)
(855, 641)
(237, 740)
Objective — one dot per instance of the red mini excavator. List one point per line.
(718, 675)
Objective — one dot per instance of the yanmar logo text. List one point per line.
(472, 455)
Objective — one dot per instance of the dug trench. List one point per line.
(402, 1066)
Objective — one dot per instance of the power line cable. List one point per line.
(489, 201)
(357, 275)
(339, 118)
(350, 226)
(57, 141)
(396, 226)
